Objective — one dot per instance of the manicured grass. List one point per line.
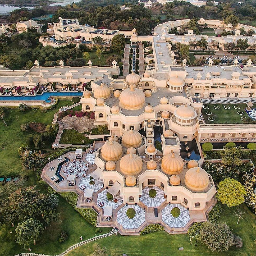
(74, 137)
(208, 32)
(12, 137)
(161, 243)
(99, 62)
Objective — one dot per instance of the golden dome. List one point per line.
(130, 181)
(131, 164)
(132, 98)
(176, 81)
(164, 100)
(185, 111)
(172, 164)
(115, 110)
(110, 166)
(101, 91)
(147, 74)
(132, 79)
(111, 150)
(165, 114)
(151, 148)
(197, 179)
(168, 133)
(131, 150)
(192, 164)
(175, 180)
(149, 109)
(86, 94)
(131, 138)
(100, 102)
(148, 93)
(117, 93)
(151, 165)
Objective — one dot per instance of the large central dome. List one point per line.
(132, 98)
(131, 164)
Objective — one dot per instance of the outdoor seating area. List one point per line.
(103, 200)
(150, 201)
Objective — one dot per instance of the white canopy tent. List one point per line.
(97, 173)
(108, 211)
(114, 189)
(88, 192)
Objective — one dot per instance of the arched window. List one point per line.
(111, 183)
(146, 84)
(100, 115)
(87, 107)
(115, 124)
(197, 205)
(131, 199)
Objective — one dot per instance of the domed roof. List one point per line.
(111, 150)
(131, 150)
(146, 74)
(117, 93)
(175, 180)
(164, 100)
(132, 98)
(131, 164)
(100, 102)
(132, 79)
(149, 109)
(176, 81)
(86, 94)
(101, 91)
(130, 181)
(168, 133)
(192, 164)
(151, 148)
(148, 93)
(165, 114)
(185, 111)
(172, 164)
(110, 166)
(131, 138)
(115, 110)
(151, 165)
(197, 179)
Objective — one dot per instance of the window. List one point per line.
(115, 124)
(185, 137)
(185, 201)
(123, 126)
(174, 198)
(236, 94)
(146, 84)
(100, 115)
(87, 107)
(111, 183)
(197, 205)
(131, 199)
(131, 127)
(151, 181)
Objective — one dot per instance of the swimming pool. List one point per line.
(43, 97)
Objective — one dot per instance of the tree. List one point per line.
(251, 146)
(230, 145)
(28, 232)
(207, 146)
(231, 192)
(216, 236)
(231, 156)
(231, 19)
(184, 51)
(118, 43)
(86, 56)
(98, 40)
(99, 53)
(242, 44)
(203, 44)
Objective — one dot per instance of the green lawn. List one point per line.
(208, 32)
(12, 137)
(161, 243)
(100, 62)
(74, 137)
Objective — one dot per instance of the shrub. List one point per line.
(194, 232)
(230, 145)
(152, 228)
(92, 182)
(63, 236)
(76, 99)
(109, 196)
(23, 107)
(251, 146)
(130, 213)
(215, 213)
(152, 193)
(207, 146)
(238, 242)
(175, 212)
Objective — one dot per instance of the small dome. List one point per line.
(111, 150)
(151, 165)
(132, 79)
(131, 150)
(130, 181)
(197, 179)
(147, 74)
(110, 166)
(115, 110)
(86, 94)
(164, 100)
(131, 164)
(175, 81)
(165, 114)
(168, 133)
(100, 102)
(117, 93)
(185, 111)
(131, 138)
(149, 109)
(175, 180)
(172, 164)
(151, 148)
(148, 93)
(101, 91)
(132, 98)
(192, 164)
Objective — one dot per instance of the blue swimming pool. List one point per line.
(43, 97)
